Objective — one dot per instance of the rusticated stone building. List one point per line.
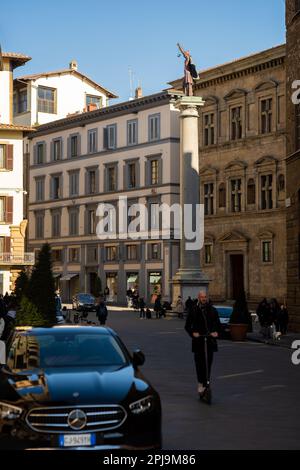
(293, 161)
(243, 175)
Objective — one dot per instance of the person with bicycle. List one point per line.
(203, 326)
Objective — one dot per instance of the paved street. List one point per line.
(255, 386)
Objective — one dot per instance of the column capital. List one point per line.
(189, 103)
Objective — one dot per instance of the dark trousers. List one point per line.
(142, 313)
(200, 364)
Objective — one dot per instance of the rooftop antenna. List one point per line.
(131, 75)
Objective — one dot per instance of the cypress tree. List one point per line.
(21, 286)
(41, 290)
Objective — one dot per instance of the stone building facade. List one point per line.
(293, 160)
(243, 174)
(130, 149)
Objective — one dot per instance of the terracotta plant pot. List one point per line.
(238, 331)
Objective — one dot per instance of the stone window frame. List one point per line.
(112, 145)
(130, 161)
(127, 247)
(77, 247)
(69, 145)
(267, 165)
(150, 118)
(149, 251)
(74, 173)
(211, 245)
(39, 215)
(223, 207)
(211, 107)
(250, 179)
(266, 236)
(41, 144)
(128, 124)
(87, 221)
(74, 210)
(40, 179)
(236, 98)
(54, 213)
(91, 151)
(88, 170)
(149, 159)
(53, 147)
(236, 169)
(268, 89)
(209, 197)
(111, 246)
(60, 193)
(107, 166)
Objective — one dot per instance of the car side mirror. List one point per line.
(2, 353)
(138, 358)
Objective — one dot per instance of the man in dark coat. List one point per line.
(203, 319)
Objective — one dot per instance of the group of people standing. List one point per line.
(272, 315)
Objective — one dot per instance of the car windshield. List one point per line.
(65, 349)
(86, 298)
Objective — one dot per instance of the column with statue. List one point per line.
(189, 279)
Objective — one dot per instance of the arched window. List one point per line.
(281, 183)
(222, 195)
(251, 191)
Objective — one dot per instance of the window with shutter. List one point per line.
(10, 157)
(3, 156)
(9, 200)
(7, 244)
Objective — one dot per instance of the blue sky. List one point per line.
(108, 37)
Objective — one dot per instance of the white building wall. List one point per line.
(5, 78)
(71, 93)
(11, 183)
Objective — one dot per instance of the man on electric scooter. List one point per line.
(203, 325)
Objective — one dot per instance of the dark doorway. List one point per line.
(237, 275)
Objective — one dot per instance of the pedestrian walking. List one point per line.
(101, 312)
(203, 326)
(188, 304)
(283, 319)
(142, 306)
(179, 308)
(106, 293)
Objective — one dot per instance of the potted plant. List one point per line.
(240, 319)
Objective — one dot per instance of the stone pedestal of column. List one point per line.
(189, 279)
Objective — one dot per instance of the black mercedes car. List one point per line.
(75, 387)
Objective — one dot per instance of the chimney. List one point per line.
(73, 65)
(138, 92)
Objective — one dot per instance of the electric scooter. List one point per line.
(206, 396)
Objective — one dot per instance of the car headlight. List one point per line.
(140, 406)
(9, 411)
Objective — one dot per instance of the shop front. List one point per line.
(112, 284)
(154, 285)
(70, 285)
(132, 282)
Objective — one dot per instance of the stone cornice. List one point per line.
(254, 63)
(127, 107)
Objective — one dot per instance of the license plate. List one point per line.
(75, 440)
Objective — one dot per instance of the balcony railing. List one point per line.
(10, 258)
